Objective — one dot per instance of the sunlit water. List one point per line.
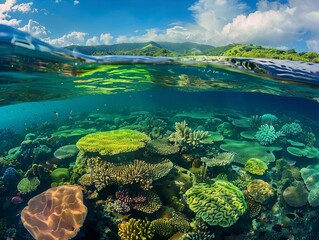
(41, 86)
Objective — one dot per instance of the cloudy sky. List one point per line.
(282, 24)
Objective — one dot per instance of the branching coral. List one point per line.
(113, 142)
(139, 172)
(185, 137)
(219, 204)
(267, 134)
(136, 229)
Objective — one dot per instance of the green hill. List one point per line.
(170, 49)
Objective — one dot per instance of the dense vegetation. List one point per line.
(169, 49)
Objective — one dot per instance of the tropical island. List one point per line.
(169, 49)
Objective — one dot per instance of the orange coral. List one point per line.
(56, 214)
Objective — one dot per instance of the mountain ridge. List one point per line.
(170, 49)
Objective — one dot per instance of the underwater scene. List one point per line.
(116, 147)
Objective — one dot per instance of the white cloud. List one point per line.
(106, 38)
(11, 6)
(23, 7)
(35, 29)
(220, 22)
(93, 41)
(76, 2)
(73, 38)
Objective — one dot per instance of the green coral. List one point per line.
(218, 204)
(136, 229)
(256, 166)
(113, 142)
(60, 175)
(27, 185)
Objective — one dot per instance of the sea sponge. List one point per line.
(260, 190)
(56, 214)
(218, 204)
(256, 166)
(113, 142)
(27, 185)
(136, 229)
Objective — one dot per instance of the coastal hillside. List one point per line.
(169, 49)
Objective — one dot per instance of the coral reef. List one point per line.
(222, 159)
(260, 190)
(161, 147)
(184, 137)
(267, 134)
(296, 195)
(140, 172)
(256, 166)
(136, 229)
(57, 213)
(27, 185)
(291, 128)
(113, 142)
(219, 204)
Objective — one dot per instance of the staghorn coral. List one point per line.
(136, 229)
(185, 137)
(56, 214)
(260, 190)
(256, 166)
(218, 204)
(222, 159)
(113, 142)
(139, 172)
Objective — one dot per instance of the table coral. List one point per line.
(219, 204)
(56, 214)
(256, 166)
(222, 159)
(139, 172)
(136, 229)
(113, 142)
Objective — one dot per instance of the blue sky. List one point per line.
(282, 24)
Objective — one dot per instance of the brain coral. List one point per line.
(113, 142)
(256, 166)
(136, 229)
(56, 214)
(260, 190)
(218, 204)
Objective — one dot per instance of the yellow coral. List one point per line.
(113, 142)
(136, 229)
(256, 166)
(260, 190)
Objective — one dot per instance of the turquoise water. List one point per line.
(189, 112)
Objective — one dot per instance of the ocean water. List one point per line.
(229, 150)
